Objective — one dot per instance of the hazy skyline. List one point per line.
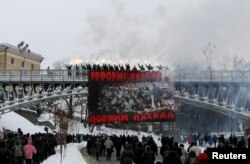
(152, 31)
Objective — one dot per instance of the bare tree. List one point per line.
(58, 65)
(64, 114)
(63, 119)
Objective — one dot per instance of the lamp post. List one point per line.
(22, 49)
(5, 54)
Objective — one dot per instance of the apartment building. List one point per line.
(18, 57)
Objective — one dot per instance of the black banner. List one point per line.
(130, 96)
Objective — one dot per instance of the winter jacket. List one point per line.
(184, 155)
(172, 158)
(4, 155)
(148, 157)
(138, 154)
(127, 157)
(108, 144)
(97, 146)
(29, 150)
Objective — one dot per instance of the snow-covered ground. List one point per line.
(45, 117)
(12, 121)
(70, 156)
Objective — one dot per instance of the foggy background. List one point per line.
(145, 31)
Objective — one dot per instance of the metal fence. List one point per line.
(213, 76)
(82, 75)
(43, 75)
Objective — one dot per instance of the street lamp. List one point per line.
(23, 48)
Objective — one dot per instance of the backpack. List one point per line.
(18, 151)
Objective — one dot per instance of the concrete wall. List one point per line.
(18, 62)
(2, 60)
(17, 65)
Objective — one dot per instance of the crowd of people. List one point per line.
(213, 140)
(130, 150)
(134, 98)
(127, 148)
(15, 148)
(81, 70)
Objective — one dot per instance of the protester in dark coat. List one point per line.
(127, 155)
(4, 152)
(138, 153)
(97, 148)
(172, 158)
(38, 143)
(118, 146)
(148, 157)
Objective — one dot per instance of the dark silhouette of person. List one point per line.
(77, 71)
(121, 67)
(141, 67)
(127, 67)
(134, 68)
(149, 67)
(69, 67)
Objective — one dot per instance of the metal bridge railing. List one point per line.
(213, 76)
(43, 75)
(82, 75)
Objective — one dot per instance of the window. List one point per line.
(32, 66)
(22, 63)
(12, 60)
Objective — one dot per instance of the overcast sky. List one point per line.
(152, 31)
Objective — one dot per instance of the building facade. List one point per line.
(15, 58)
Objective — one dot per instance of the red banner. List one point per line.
(122, 76)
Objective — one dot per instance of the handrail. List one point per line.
(82, 75)
(213, 76)
(43, 75)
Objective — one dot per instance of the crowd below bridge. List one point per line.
(15, 148)
(129, 150)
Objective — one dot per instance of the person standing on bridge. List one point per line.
(69, 70)
(77, 71)
(49, 73)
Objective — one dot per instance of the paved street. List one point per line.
(102, 159)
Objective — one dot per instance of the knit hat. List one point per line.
(202, 157)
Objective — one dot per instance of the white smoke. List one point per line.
(165, 32)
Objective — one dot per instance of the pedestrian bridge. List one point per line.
(220, 91)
